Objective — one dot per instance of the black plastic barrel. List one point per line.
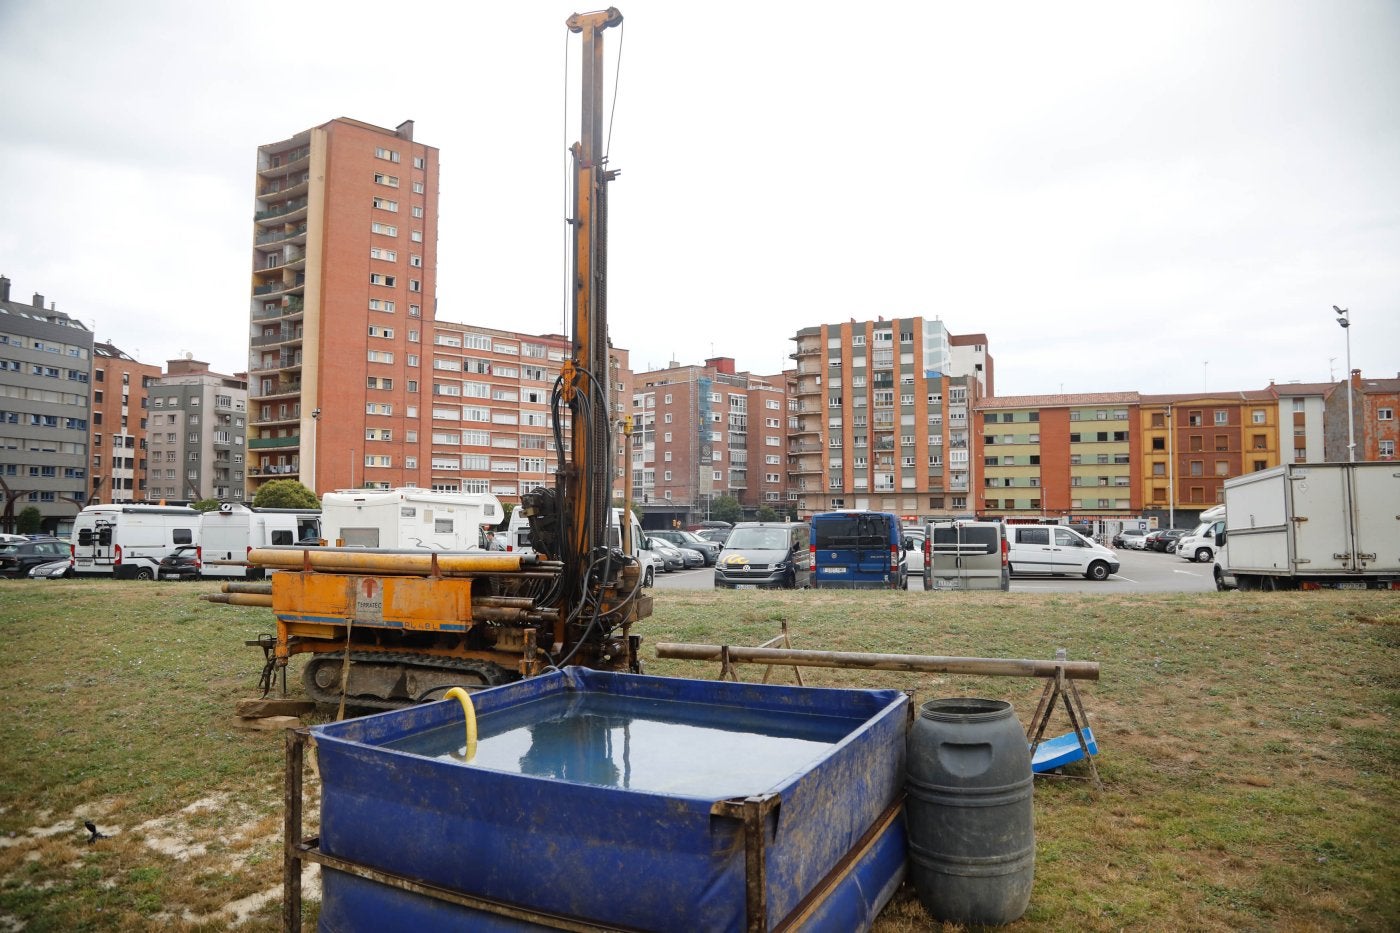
(968, 811)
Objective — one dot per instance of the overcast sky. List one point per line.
(1162, 197)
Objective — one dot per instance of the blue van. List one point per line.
(856, 549)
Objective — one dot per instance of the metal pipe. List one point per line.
(263, 588)
(336, 560)
(999, 667)
(240, 599)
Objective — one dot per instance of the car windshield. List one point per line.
(758, 539)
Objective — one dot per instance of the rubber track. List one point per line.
(492, 674)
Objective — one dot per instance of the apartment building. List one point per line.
(492, 426)
(701, 432)
(198, 434)
(881, 419)
(120, 386)
(1379, 399)
(45, 411)
(1193, 443)
(1059, 456)
(344, 270)
(1302, 411)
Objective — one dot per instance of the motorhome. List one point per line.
(128, 541)
(228, 534)
(408, 518)
(1200, 545)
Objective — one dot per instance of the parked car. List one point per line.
(1166, 539)
(717, 535)
(670, 555)
(183, 563)
(17, 558)
(53, 570)
(766, 554)
(914, 548)
(709, 550)
(1132, 538)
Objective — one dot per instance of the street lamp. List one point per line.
(315, 431)
(1344, 319)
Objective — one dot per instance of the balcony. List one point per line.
(281, 210)
(274, 443)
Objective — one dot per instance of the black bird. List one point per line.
(93, 834)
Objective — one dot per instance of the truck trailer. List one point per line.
(1311, 526)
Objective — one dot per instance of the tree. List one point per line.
(508, 508)
(726, 509)
(205, 505)
(30, 521)
(766, 514)
(285, 494)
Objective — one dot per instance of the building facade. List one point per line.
(45, 412)
(1380, 427)
(1302, 409)
(1060, 456)
(882, 418)
(120, 415)
(344, 271)
(1193, 443)
(702, 432)
(491, 421)
(198, 434)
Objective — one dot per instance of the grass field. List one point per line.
(1248, 744)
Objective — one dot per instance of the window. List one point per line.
(389, 154)
(1257, 416)
(417, 187)
(376, 278)
(416, 261)
(418, 212)
(384, 229)
(418, 162)
(414, 285)
(1222, 417)
(384, 204)
(1387, 451)
(1385, 414)
(379, 304)
(391, 181)
(416, 236)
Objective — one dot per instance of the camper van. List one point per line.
(408, 518)
(857, 549)
(1200, 545)
(227, 535)
(518, 540)
(128, 541)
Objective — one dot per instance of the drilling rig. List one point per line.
(388, 628)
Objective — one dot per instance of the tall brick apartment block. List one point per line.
(702, 432)
(120, 415)
(882, 418)
(488, 394)
(344, 271)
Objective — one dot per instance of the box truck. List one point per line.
(1310, 526)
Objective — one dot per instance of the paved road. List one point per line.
(1142, 572)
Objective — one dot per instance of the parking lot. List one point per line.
(1141, 572)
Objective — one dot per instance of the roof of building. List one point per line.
(1058, 401)
(1204, 398)
(1303, 388)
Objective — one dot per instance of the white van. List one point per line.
(518, 540)
(408, 518)
(1055, 549)
(231, 532)
(128, 541)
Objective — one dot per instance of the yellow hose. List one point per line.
(469, 712)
